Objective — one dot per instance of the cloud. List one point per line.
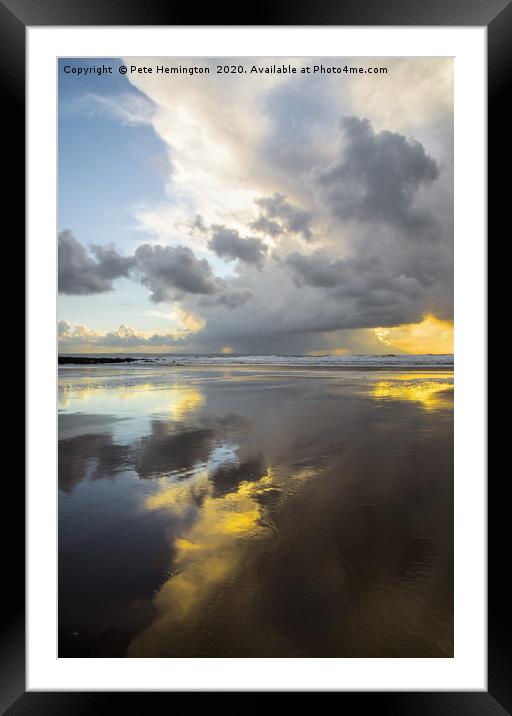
(229, 245)
(317, 269)
(375, 176)
(355, 276)
(198, 225)
(127, 108)
(422, 96)
(63, 328)
(75, 336)
(278, 215)
(429, 336)
(375, 196)
(230, 299)
(165, 270)
(168, 270)
(80, 274)
(360, 291)
(129, 337)
(264, 225)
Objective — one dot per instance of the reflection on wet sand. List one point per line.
(170, 446)
(295, 524)
(93, 456)
(205, 555)
(431, 393)
(177, 400)
(183, 401)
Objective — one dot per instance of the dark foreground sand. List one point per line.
(237, 512)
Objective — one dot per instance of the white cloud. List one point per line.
(128, 108)
(79, 337)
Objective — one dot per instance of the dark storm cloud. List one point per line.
(264, 225)
(293, 321)
(80, 274)
(278, 215)
(375, 176)
(166, 270)
(234, 299)
(361, 277)
(317, 269)
(229, 245)
(359, 291)
(398, 262)
(231, 299)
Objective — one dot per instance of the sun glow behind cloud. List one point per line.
(432, 335)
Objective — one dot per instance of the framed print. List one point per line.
(256, 354)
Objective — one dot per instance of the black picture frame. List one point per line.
(15, 17)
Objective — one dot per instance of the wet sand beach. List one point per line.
(255, 511)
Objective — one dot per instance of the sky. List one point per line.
(256, 212)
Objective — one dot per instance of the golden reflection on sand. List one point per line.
(178, 498)
(207, 553)
(177, 400)
(183, 400)
(431, 392)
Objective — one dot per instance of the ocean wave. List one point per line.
(345, 361)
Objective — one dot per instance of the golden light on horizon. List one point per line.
(432, 335)
(227, 350)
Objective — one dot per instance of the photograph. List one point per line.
(255, 357)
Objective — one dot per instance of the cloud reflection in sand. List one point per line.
(210, 550)
(176, 400)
